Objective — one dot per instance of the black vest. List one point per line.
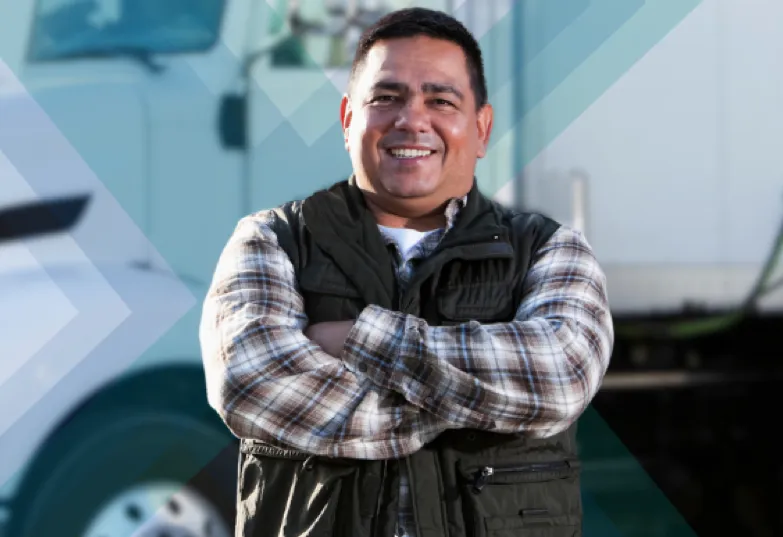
(466, 483)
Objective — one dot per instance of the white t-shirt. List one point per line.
(406, 239)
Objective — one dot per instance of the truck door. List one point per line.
(137, 87)
(195, 192)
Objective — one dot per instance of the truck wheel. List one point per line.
(149, 462)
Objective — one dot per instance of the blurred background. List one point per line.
(134, 134)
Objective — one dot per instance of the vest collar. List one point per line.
(459, 212)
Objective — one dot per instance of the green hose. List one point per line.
(712, 324)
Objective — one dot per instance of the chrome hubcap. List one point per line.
(160, 509)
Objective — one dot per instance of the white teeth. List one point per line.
(410, 153)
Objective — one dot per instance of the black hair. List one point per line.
(412, 22)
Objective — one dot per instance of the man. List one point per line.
(398, 354)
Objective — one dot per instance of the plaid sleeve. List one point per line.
(536, 374)
(268, 381)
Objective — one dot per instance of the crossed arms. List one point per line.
(398, 382)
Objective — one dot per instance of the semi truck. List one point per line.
(135, 134)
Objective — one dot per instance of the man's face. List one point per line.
(411, 125)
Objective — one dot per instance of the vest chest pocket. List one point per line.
(480, 291)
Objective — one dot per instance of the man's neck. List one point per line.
(395, 218)
(419, 224)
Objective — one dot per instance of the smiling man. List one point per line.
(398, 354)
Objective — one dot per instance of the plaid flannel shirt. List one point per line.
(399, 383)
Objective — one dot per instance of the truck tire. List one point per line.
(146, 457)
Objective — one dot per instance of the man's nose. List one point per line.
(413, 116)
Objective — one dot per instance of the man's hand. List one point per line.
(330, 336)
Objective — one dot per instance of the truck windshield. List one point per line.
(77, 28)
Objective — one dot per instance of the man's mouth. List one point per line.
(403, 153)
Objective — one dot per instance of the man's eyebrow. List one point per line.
(389, 85)
(427, 87)
(431, 87)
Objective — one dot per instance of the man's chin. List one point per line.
(410, 195)
(410, 188)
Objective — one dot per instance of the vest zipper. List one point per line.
(484, 475)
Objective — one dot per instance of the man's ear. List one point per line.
(484, 123)
(346, 114)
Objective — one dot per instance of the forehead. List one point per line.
(416, 59)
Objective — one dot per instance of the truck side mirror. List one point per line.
(232, 121)
(39, 218)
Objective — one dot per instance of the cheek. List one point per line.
(367, 138)
(460, 142)
(357, 140)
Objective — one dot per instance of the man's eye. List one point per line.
(383, 98)
(443, 102)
